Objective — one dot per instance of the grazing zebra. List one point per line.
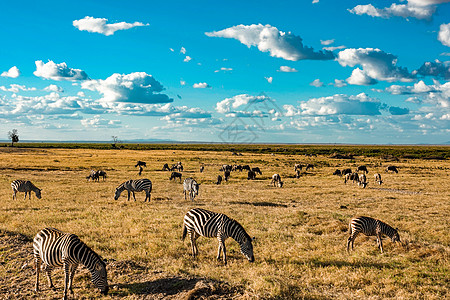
(371, 227)
(392, 168)
(246, 167)
(175, 175)
(25, 186)
(337, 172)
(132, 186)
(363, 169)
(201, 222)
(166, 167)
(297, 174)
(190, 186)
(102, 174)
(251, 175)
(378, 178)
(219, 180)
(309, 166)
(140, 163)
(54, 248)
(237, 168)
(346, 171)
(93, 175)
(276, 180)
(362, 180)
(298, 167)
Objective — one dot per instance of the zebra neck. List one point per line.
(86, 256)
(239, 234)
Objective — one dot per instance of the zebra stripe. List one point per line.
(25, 186)
(201, 222)
(190, 186)
(371, 227)
(54, 248)
(132, 186)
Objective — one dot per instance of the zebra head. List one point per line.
(117, 193)
(247, 249)
(195, 187)
(280, 184)
(38, 193)
(99, 277)
(395, 237)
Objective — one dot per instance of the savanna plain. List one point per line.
(300, 229)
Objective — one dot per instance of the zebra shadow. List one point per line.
(194, 287)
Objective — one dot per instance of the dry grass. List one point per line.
(300, 230)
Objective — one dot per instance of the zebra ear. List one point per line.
(253, 238)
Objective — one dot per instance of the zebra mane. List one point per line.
(90, 252)
(246, 235)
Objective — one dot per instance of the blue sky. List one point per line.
(259, 71)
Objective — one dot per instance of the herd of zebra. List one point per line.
(53, 248)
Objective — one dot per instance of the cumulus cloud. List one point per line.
(417, 88)
(269, 79)
(338, 83)
(376, 65)
(223, 69)
(11, 73)
(58, 72)
(397, 111)
(182, 82)
(444, 34)
(414, 9)
(333, 48)
(269, 39)
(232, 104)
(99, 25)
(287, 69)
(201, 85)
(99, 122)
(327, 42)
(183, 50)
(54, 88)
(316, 83)
(15, 88)
(436, 69)
(137, 87)
(187, 58)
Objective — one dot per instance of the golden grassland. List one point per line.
(301, 229)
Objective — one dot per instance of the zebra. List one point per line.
(371, 227)
(251, 175)
(201, 222)
(297, 174)
(25, 186)
(257, 170)
(166, 167)
(378, 178)
(191, 186)
(132, 186)
(175, 175)
(309, 166)
(102, 174)
(362, 180)
(363, 169)
(202, 168)
(298, 167)
(276, 180)
(54, 248)
(219, 180)
(226, 175)
(391, 168)
(93, 175)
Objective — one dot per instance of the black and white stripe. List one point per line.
(25, 186)
(54, 248)
(132, 186)
(371, 227)
(191, 187)
(201, 222)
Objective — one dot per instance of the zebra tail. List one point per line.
(184, 232)
(350, 228)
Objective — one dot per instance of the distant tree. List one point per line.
(14, 136)
(115, 141)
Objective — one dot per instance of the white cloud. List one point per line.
(187, 58)
(137, 87)
(376, 65)
(436, 69)
(316, 83)
(338, 83)
(54, 88)
(269, 79)
(327, 42)
(60, 71)
(287, 69)
(182, 82)
(231, 104)
(15, 88)
(269, 39)
(415, 9)
(11, 73)
(98, 122)
(81, 94)
(315, 1)
(171, 50)
(444, 34)
(98, 25)
(201, 85)
(223, 69)
(333, 48)
(183, 50)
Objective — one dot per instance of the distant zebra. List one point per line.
(175, 175)
(257, 170)
(337, 172)
(362, 180)
(25, 186)
(200, 222)
(363, 169)
(392, 168)
(378, 178)
(132, 186)
(298, 167)
(251, 175)
(102, 174)
(297, 174)
(166, 167)
(190, 186)
(226, 175)
(246, 167)
(93, 175)
(276, 180)
(371, 227)
(219, 180)
(202, 168)
(237, 168)
(140, 163)
(346, 171)
(309, 166)
(54, 248)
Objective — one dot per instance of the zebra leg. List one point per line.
(48, 270)
(128, 195)
(25, 198)
(224, 253)
(380, 242)
(66, 278)
(14, 195)
(134, 197)
(37, 266)
(193, 237)
(72, 274)
(184, 194)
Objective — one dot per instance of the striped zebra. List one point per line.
(25, 186)
(371, 227)
(132, 186)
(54, 248)
(201, 222)
(190, 186)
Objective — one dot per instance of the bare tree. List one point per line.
(115, 141)
(14, 136)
